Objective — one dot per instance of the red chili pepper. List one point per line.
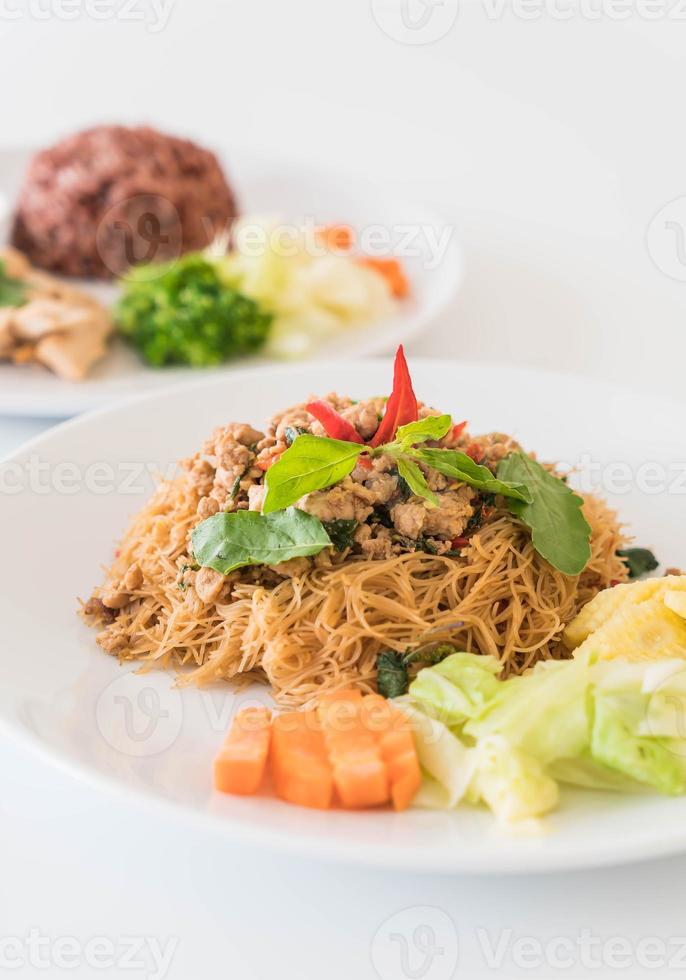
(401, 407)
(335, 425)
(476, 451)
(458, 429)
(459, 543)
(365, 462)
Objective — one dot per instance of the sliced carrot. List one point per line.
(300, 767)
(240, 765)
(391, 270)
(338, 238)
(398, 751)
(359, 772)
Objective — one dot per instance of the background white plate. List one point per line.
(144, 739)
(266, 187)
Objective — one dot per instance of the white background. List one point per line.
(552, 144)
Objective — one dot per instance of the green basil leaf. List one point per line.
(560, 532)
(311, 463)
(640, 561)
(228, 541)
(392, 678)
(425, 430)
(341, 531)
(460, 466)
(415, 480)
(12, 291)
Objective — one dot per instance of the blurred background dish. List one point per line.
(298, 197)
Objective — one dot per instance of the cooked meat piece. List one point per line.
(256, 494)
(450, 518)
(201, 473)
(365, 416)
(294, 418)
(374, 542)
(230, 454)
(42, 316)
(496, 446)
(112, 640)
(382, 487)
(208, 584)
(415, 518)
(115, 598)
(436, 480)
(245, 434)
(341, 502)
(62, 328)
(208, 507)
(71, 355)
(133, 578)
(408, 518)
(293, 568)
(95, 608)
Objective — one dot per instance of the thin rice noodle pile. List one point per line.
(325, 629)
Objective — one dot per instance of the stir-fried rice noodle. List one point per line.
(324, 629)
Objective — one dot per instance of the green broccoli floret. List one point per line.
(182, 313)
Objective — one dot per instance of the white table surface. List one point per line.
(552, 144)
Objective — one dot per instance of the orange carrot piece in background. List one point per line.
(240, 765)
(300, 767)
(391, 270)
(396, 743)
(359, 772)
(339, 238)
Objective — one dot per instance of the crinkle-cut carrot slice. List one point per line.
(359, 772)
(300, 767)
(240, 765)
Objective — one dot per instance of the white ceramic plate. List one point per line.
(66, 497)
(268, 188)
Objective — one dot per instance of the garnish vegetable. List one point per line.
(597, 724)
(559, 530)
(401, 407)
(12, 291)
(240, 765)
(185, 314)
(336, 426)
(225, 542)
(354, 750)
(640, 561)
(541, 500)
